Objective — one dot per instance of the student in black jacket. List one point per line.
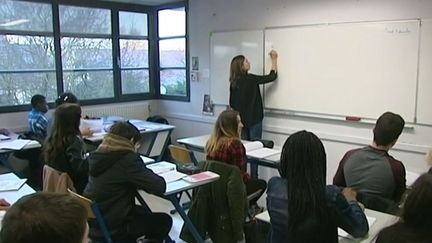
(116, 173)
(245, 97)
(64, 149)
(245, 94)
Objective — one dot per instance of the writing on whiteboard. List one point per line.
(397, 30)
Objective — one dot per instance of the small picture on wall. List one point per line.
(208, 107)
(195, 63)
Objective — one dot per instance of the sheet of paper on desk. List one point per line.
(343, 233)
(95, 125)
(15, 144)
(249, 146)
(11, 185)
(3, 137)
(172, 175)
(140, 125)
(256, 149)
(262, 153)
(146, 160)
(162, 167)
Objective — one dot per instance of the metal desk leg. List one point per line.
(186, 219)
(253, 167)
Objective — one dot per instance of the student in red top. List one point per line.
(225, 145)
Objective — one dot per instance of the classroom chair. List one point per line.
(251, 197)
(185, 159)
(93, 212)
(182, 155)
(56, 181)
(219, 208)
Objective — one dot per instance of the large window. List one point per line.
(27, 62)
(86, 50)
(101, 51)
(172, 52)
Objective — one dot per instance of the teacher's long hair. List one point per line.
(226, 127)
(66, 123)
(236, 70)
(303, 164)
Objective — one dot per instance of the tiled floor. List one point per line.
(158, 204)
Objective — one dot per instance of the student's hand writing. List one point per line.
(4, 204)
(349, 194)
(273, 54)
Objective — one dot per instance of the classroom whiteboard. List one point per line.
(223, 47)
(424, 110)
(356, 69)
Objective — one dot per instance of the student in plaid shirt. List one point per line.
(38, 123)
(225, 145)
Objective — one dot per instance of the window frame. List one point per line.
(156, 42)
(134, 96)
(115, 8)
(27, 107)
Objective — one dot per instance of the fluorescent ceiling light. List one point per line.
(15, 22)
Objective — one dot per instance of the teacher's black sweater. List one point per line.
(246, 97)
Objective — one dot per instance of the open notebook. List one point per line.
(256, 149)
(15, 144)
(166, 170)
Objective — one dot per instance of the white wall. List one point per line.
(207, 16)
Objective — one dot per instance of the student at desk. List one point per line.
(379, 178)
(415, 224)
(302, 208)
(45, 217)
(68, 98)
(64, 149)
(224, 145)
(38, 123)
(116, 173)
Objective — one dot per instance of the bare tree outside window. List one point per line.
(86, 51)
(27, 64)
(134, 53)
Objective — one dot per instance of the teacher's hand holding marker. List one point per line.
(273, 55)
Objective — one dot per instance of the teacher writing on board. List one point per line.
(245, 94)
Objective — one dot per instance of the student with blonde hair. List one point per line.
(225, 145)
(429, 159)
